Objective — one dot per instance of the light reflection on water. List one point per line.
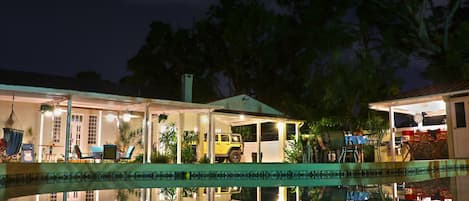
(444, 189)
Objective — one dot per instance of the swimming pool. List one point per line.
(235, 181)
(446, 188)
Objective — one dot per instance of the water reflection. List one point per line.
(444, 189)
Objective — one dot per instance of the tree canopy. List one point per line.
(310, 59)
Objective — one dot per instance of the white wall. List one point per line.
(270, 151)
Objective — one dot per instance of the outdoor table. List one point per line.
(351, 146)
(49, 155)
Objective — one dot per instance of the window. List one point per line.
(434, 120)
(53, 197)
(269, 131)
(460, 115)
(248, 132)
(56, 127)
(89, 196)
(235, 139)
(404, 120)
(92, 129)
(291, 131)
(225, 138)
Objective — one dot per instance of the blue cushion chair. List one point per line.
(79, 154)
(128, 154)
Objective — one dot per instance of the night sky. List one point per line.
(66, 37)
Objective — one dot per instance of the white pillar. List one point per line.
(150, 137)
(100, 127)
(199, 133)
(145, 134)
(282, 137)
(97, 195)
(282, 193)
(297, 131)
(157, 134)
(259, 192)
(393, 133)
(41, 138)
(258, 141)
(297, 191)
(179, 138)
(211, 138)
(68, 129)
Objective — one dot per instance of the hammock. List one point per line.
(13, 139)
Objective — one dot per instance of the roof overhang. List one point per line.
(238, 118)
(93, 100)
(432, 104)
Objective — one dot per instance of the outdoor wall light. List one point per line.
(47, 109)
(126, 117)
(57, 112)
(110, 117)
(48, 113)
(204, 119)
(241, 117)
(279, 126)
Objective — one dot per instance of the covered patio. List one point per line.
(87, 118)
(436, 115)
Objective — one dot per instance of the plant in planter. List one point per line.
(169, 140)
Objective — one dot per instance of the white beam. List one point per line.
(179, 138)
(393, 133)
(41, 138)
(67, 128)
(150, 136)
(100, 127)
(258, 141)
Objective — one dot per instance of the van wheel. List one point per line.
(234, 156)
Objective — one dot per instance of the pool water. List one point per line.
(444, 189)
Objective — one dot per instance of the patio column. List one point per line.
(199, 133)
(145, 132)
(282, 137)
(449, 127)
(157, 134)
(297, 131)
(41, 138)
(100, 127)
(150, 136)
(67, 128)
(393, 133)
(258, 141)
(210, 138)
(179, 137)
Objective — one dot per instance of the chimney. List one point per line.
(186, 87)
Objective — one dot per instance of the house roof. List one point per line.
(435, 89)
(97, 94)
(22, 78)
(433, 94)
(245, 103)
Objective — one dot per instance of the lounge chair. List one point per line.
(128, 154)
(79, 154)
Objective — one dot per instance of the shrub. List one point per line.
(159, 158)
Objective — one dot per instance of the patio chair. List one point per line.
(110, 152)
(128, 154)
(79, 154)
